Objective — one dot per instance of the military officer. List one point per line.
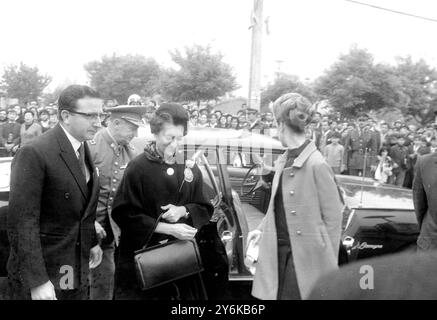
(111, 151)
(361, 149)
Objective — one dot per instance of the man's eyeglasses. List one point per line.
(91, 116)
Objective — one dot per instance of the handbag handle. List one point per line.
(154, 227)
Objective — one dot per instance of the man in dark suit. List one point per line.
(402, 276)
(425, 200)
(52, 205)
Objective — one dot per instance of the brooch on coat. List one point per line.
(188, 173)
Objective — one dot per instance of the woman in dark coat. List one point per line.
(155, 183)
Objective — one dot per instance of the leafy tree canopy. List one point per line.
(201, 75)
(355, 83)
(285, 83)
(24, 82)
(117, 77)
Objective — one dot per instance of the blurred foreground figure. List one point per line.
(403, 276)
(424, 197)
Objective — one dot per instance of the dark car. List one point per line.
(379, 219)
(5, 168)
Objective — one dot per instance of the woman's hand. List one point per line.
(254, 236)
(174, 213)
(182, 231)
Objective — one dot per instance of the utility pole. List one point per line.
(255, 57)
(278, 69)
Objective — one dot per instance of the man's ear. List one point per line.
(65, 116)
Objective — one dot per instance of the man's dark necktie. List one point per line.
(82, 164)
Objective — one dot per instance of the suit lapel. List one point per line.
(69, 156)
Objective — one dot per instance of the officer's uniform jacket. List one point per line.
(356, 143)
(111, 160)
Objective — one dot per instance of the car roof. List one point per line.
(366, 193)
(233, 140)
(236, 140)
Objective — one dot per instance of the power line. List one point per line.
(392, 11)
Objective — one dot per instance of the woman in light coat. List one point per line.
(299, 238)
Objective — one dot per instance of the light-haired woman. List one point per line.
(299, 238)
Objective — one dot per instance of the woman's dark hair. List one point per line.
(35, 112)
(220, 122)
(382, 150)
(172, 113)
(29, 111)
(44, 112)
(238, 122)
(69, 96)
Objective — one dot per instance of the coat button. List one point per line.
(116, 163)
(115, 172)
(293, 212)
(67, 195)
(291, 174)
(298, 232)
(114, 180)
(292, 192)
(113, 189)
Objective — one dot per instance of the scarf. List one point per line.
(152, 154)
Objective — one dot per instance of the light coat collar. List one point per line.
(300, 160)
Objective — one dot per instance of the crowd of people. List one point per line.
(384, 151)
(20, 125)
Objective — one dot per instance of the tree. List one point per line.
(418, 82)
(24, 82)
(347, 84)
(117, 77)
(52, 97)
(355, 83)
(202, 76)
(285, 83)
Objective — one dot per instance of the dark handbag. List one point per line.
(165, 263)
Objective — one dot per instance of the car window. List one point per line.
(247, 160)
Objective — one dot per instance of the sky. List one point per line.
(60, 36)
